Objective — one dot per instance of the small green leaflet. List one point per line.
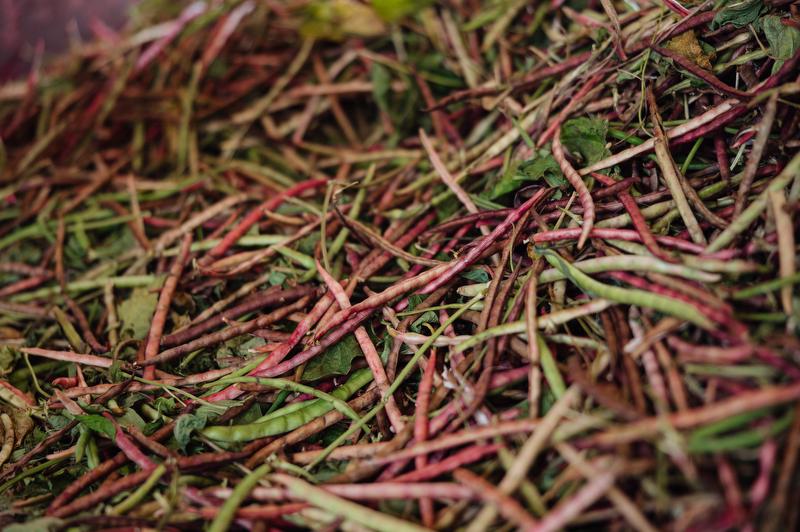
(164, 405)
(98, 424)
(387, 347)
(784, 41)
(738, 12)
(115, 373)
(237, 347)
(276, 278)
(393, 10)
(586, 137)
(116, 244)
(426, 317)
(184, 427)
(414, 300)
(334, 361)
(250, 415)
(153, 426)
(135, 397)
(136, 312)
(478, 275)
(217, 408)
(540, 166)
(57, 422)
(381, 79)
(131, 418)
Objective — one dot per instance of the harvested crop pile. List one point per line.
(393, 265)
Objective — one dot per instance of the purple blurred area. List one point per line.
(27, 26)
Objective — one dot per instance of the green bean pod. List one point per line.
(290, 417)
(628, 296)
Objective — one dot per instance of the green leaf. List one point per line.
(98, 424)
(381, 79)
(413, 301)
(738, 12)
(136, 312)
(544, 166)
(131, 418)
(476, 274)
(335, 361)
(164, 405)
(133, 398)
(276, 278)
(153, 426)
(116, 244)
(212, 410)
(184, 427)
(586, 137)
(57, 421)
(115, 373)
(426, 317)
(237, 347)
(784, 41)
(387, 347)
(250, 415)
(541, 166)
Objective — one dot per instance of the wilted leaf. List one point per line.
(7, 360)
(136, 312)
(9, 333)
(687, 45)
(185, 425)
(784, 41)
(98, 424)
(586, 137)
(738, 12)
(23, 424)
(334, 361)
(337, 19)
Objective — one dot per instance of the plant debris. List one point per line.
(403, 265)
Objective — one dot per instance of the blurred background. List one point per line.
(33, 29)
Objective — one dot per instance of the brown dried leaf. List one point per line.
(687, 45)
